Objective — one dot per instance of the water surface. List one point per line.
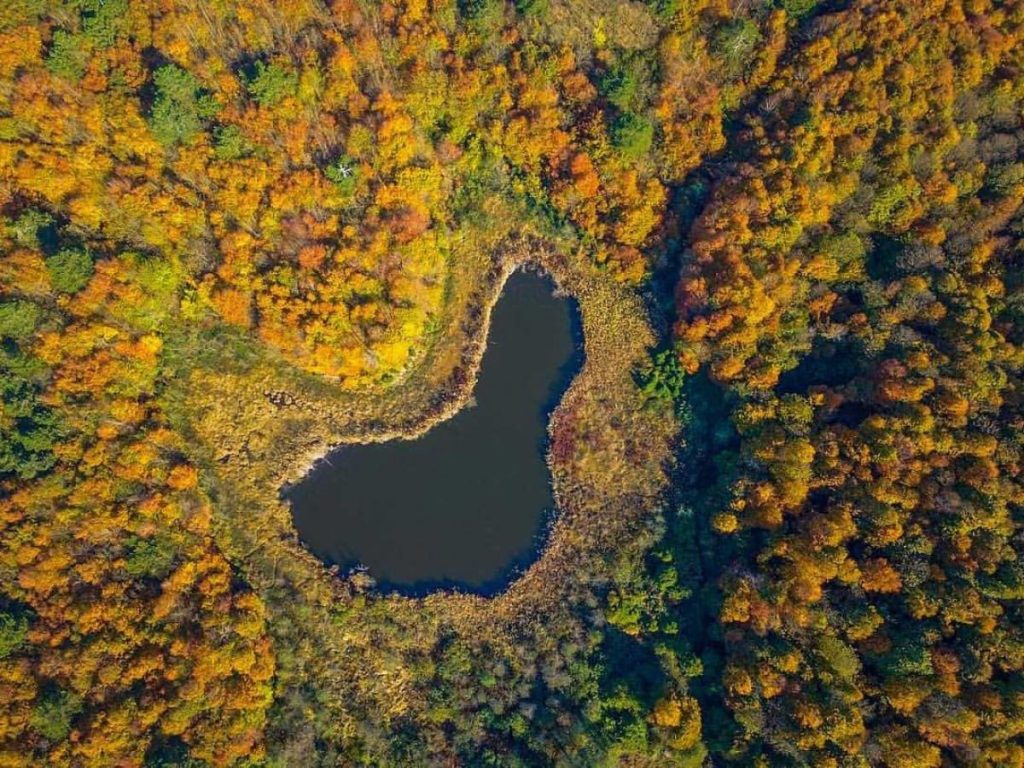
(464, 505)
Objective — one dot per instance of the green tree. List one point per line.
(230, 143)
(104, 21)
(632, 135)
(18, 319)
(534, 8)
(625, 83)
(735, 42)
(270, 84)
(182, 106)
(150, 558)
(344, 174)
(16, 12)
(13, 633)
(28, 429)
(797, 9)
(483, 12)
(30, 228)
(70, 269)
(662, 381)
(54, 714)
(67, 56)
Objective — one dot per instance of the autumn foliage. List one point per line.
(852, 286)
(832, 191)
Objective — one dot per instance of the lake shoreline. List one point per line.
(591, 293)
(450, 404)
(356, 509)
(607, 452)
(255, 422)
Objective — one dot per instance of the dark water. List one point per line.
(465, 505)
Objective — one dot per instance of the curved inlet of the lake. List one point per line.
(466, 505)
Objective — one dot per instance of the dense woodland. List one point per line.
(820, 204)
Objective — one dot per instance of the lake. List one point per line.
(464, 506)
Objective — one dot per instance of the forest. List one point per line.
(789, 476)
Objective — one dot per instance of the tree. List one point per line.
(735, 41)
(53, 715)
(798, 9)
(270, 84)
(182, 106)
(70, 269)
(18, 319)
(632, 135)
(67, 56)
(150, 558)
(13, 632)
(625, 83)
(230, 143)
